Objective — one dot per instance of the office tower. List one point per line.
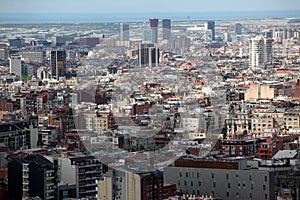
(58, 63)
(148, 55)
(238, 29)
(154, 29)
(15, 65)
(32, 176)
(260, 51)
(210, 25)
(124, 32)
(166, 25)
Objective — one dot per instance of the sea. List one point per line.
(77, 18)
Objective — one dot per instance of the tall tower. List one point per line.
(210, 25)
(58, 63)
(166, 25)
(148, 55)
(15, 65)
(238, 29)
(124, 32)
(261, 49)
(154, 29)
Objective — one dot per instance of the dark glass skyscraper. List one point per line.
(154, 29)
(124, 32)
(210, 25)
(166, 25)
(58, 63)
(238, 29)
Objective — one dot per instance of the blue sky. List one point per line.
(134, 6)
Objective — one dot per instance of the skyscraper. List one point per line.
(154, 29)
(15, 65)
(260, 51)
(124, 32)
(238, 29)
(148, 55)
(166, 25)
(58, 63)
(210, 25)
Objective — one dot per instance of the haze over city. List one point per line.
(150, 100)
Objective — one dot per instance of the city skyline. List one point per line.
(134, 6)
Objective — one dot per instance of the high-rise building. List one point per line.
(238, 29)
(210, 25)
(124, 32)
(58, 63)
(260, 51)
(148, 55)
(81, 170)
(32, 176)
(15, 65)
(166, 25)
(3, 52)
(154, 29)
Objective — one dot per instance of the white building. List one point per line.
(260, 51)
(15, 65)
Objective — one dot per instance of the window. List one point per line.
(264, 187)
(214, 184)
(250, 177)
(227, 194)
(199, 183)
(266, 178)
(226, 176)
(266, 196)
(228, 185)
(212, 175)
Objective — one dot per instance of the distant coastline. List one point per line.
(73, 18)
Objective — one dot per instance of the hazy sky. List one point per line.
(100, 6)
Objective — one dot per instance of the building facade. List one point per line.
(32, 176)
(166, 25)
(15, 65)
(261, 50)
(225, 179)
(124, 32)
(210, 25)
(154, 29)
(58, 63)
